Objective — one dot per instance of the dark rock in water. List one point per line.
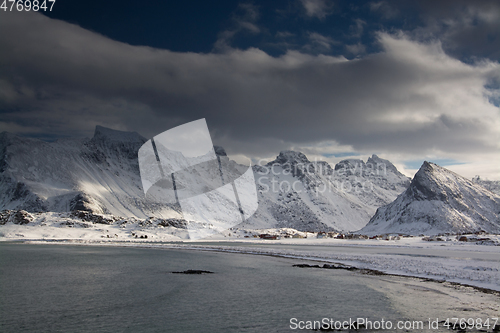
(306, 266)
(193, 271)
(349, 268)
(326, 266)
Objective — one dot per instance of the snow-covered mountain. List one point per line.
(438, 201)
(312, 196)
(101, 175)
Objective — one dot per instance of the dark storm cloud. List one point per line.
(466, 28)
(59, 78)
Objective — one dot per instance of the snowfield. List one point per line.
(450, 261)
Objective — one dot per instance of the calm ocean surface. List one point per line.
(65, 288)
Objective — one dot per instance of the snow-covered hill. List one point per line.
(99, 175)
(312, 196)
(102, 175)
(438, 201)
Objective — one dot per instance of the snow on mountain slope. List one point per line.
(99, 174)
(492, 185)
(438, 201)
(376, 182)
(312, 196)
(102, 175)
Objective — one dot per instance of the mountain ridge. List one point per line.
(101, 175)
(438, 201)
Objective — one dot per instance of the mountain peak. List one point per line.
(351, 163)
(428, 166)
(5, 137)
(220, 151)
(438, 200)
(109, 134)
(433, 182)
(377, 162)
(290, 157)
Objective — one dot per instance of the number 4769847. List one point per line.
(27, 5)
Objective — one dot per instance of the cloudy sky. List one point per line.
(406, 80)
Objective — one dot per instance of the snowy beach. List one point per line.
(450, 260)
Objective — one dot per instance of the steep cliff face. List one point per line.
(99, 175)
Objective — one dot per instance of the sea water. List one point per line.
(71, 288)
